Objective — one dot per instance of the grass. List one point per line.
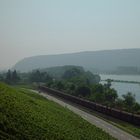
(25, 115)
(132, 129)
(128, 127)
(27, 86)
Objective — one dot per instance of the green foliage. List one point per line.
(99, 88)
(83, 91)
(12, 77)
(119, 103)
(1, 77)
(73, 72)
(72, 87)
(15, 78)
(93, 79)
(75, 81)
(8, 77)
(26, 115)
(79, 76)
(104, 94)
(37, 76)
(58, 71)
(136, 107)
(108, 84)
(110, 96)
(129, 101)
(60, 85)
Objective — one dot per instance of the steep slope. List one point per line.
(98, 60)
(26, 115)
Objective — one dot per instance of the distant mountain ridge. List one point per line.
(96, 61)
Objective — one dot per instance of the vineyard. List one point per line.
(26, 115)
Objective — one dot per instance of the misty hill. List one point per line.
(95, 61)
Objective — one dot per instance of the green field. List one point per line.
(26, 116)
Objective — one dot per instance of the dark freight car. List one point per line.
(122, 115)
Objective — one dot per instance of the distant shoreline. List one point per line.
(122, 81)
(136, 74)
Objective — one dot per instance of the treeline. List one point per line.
(10, 77)
(102, 94)
(16, 78)
(78, 82)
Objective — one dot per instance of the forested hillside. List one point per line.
(110, 61)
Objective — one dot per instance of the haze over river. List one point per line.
(123, 88)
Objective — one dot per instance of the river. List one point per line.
(123, 88)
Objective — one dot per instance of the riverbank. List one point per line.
(124, 83)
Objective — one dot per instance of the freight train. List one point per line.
(122, 115)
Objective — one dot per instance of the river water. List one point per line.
(123, 88)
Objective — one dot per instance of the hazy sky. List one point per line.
(36, 27)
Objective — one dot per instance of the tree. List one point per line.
(46, 77)
(104, 94)
(1, 78)
(37, 76)
(72, 87)
(60, 85)
(70, 73)
(119, 103)
(8, 77)
(98, 97)
(14, 77)
(83, 91)
(110, 96)
(98, 93)
(97, 88)
(92, 79)
(136, 107)
(108, 84)
(129, 100)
